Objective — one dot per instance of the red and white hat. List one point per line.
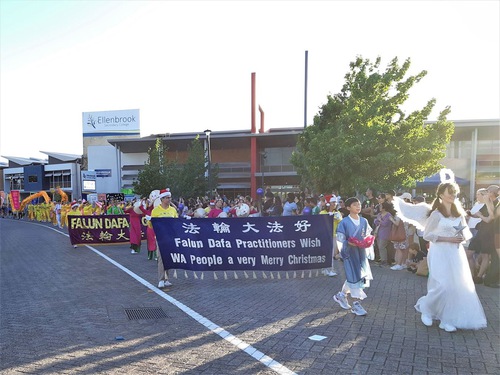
(165, 193)
(74, 204)
(212, 203)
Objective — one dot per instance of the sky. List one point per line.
(187, 65)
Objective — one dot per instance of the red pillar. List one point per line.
(253, 145)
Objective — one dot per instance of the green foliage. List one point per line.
(152, 176)
(190, 180)
(184, 180)
(361, 137)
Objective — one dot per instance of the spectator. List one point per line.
(424, 245)
(268, 203)
(277, 208)
(314, 205)
(389, 196)
(368, 207)
(483, 242)
(401, 247)
(415, 256)
(383, 228)
(290, 207)
(492, 275)
(343, 210)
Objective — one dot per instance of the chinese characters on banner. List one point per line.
(103, 229)
(252, 243)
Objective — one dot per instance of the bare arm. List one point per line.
(491, 215)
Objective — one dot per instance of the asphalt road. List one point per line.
(96, 310)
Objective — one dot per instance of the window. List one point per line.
(490, 146)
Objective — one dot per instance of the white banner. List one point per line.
(123, 122)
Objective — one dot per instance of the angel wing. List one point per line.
(416, 214)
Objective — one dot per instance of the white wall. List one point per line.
(104, 157)
(133, 159)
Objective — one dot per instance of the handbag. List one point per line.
(398, 233)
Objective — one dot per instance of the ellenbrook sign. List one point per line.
(123, 122)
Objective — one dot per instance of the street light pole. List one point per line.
(209, 160)
(263, 156)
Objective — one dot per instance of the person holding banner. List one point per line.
(135, 228)
(146, 208)
(353, 240)
(75, 211)
(164, 209)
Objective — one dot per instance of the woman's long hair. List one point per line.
(456, 207)
(389, 207)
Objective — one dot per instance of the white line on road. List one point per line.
(240, 344)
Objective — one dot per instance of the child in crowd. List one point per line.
(353, 239)
(415, 256)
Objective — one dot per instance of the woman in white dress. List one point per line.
(451, 295)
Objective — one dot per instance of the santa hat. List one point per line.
(165, 193)
(74, 204)
(212, 203)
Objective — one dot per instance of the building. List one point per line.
(474, 153)
(247, 160)
(31, 175)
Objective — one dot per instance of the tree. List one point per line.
(185, 180)
(152, 176)
(361, 137)
(189, 179)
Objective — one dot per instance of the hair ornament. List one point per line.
(446, 175)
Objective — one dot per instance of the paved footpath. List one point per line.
(96, 310)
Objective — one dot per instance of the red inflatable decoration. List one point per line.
(367, 242)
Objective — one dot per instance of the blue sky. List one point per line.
(187, 65)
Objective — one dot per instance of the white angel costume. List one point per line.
(451, 295)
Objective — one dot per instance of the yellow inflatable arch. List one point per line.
(64, 196)
(31, 197)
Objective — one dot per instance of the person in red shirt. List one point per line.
(216, 210)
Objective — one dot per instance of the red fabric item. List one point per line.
(367, 242)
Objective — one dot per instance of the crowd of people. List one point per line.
(445, 245)
(379, 219)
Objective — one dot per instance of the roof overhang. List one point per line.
(218, 140)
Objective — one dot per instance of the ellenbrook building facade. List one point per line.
(247, 160)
